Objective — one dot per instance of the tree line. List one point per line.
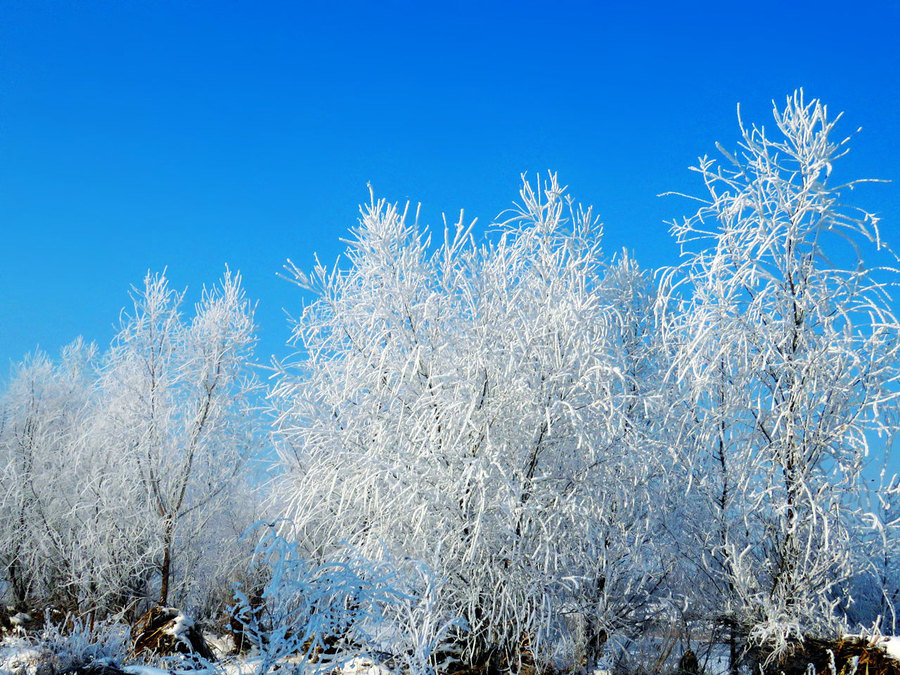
(558, 452)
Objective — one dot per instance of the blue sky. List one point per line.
(191, 135)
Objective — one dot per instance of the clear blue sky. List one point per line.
(139, 135)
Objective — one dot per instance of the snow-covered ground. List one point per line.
(891, 646)
(20, 656)
(359, 665)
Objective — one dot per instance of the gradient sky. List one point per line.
(191, 135)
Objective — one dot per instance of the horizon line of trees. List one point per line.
(555, 453)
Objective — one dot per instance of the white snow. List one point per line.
(144, 670)
(20, 619)
(180, 627)
(150, 670)
(891, 645)
(18, 658)
(363, 665)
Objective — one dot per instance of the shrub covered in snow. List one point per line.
(75, 645)
(330, 613)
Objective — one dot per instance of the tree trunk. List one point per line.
(167, 563)
(733, 656)
(18, 586)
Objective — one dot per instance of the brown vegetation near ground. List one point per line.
(832, 657)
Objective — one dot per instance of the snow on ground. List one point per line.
(180, 628)
(18, 657)
(891, 645)
(19, 620)
(359, 665)
(144, 670)
(221, 645)
(363, 665)
(151, 670)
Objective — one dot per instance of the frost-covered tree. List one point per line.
(785, 352)
(107, 462)
(483, 409)
(875, 588)
(178, 397)
(70, 538)
(42, 411)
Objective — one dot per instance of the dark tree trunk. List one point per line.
(166, 570)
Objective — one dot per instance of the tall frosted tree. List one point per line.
(72, 535)
(785, 350)
(111, 464)
(484, 409)
(178, 397)
(42, 416)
